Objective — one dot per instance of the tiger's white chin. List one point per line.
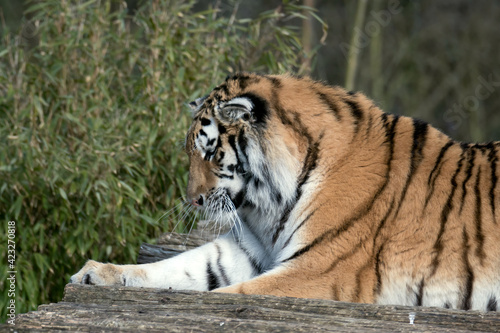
(221, 211)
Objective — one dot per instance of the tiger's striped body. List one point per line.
(333, 199)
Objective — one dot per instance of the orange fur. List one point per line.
(396, 201)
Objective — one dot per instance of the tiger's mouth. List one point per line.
(220, 208)
(219, 201)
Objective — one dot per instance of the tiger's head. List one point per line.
(242, 153)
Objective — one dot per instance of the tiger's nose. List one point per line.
(197, 202)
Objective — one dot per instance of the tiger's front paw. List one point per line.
(99, 274)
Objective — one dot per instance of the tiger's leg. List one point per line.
(350, 281)
(222, 262)
(281, 282)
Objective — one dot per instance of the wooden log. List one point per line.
(92, 308)
(151, 253)
(171, 243)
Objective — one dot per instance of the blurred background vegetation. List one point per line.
(93, 93)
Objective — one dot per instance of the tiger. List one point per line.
(329, 197)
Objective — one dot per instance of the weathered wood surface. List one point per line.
(171, 243)
(125, 309)
(100, 309)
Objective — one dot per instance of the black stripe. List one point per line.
(202, 132)
(357, 289)
(281, 223)
(208, 155)
(420, 130)
(306, 248)
(295, 124)
(334, 232)
(242, 142)
(369, 127)
(378, 285)
(493, 158)
(355, 110)
(248, 204)
(224, 89)
(382, 222)
(492, 304)
(208, 101)
(205, 121)
(335, 292)
(469, 278)
(310, 160)
(438, 245)
(438, 161)
(389, 138)
(260, 110)
(256, 266)
(298, 227)
(256, 182)
(420, 294)
(478, 219)
(356, 113)
(310, 163)
(222, 129)
(221, 156)
(331, 105)
(223, 176)
(212, 281)
(481, 147)
(437, 168)
(238, 199)
(275, 193)
(231, 139)
(383, 118)
(276, 83)
(244, 80)
(470, 166)
(220, 267)
(343, 257)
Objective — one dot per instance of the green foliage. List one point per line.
(92, 122)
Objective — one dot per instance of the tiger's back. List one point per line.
(429, 227)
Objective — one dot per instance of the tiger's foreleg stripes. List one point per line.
(217, 264)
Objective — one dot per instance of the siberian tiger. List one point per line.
(331, 198)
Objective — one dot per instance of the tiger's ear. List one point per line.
(235, 109)
(195, 105)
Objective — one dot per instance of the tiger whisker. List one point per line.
(179, 217)
(195, 215)
(170, 211)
